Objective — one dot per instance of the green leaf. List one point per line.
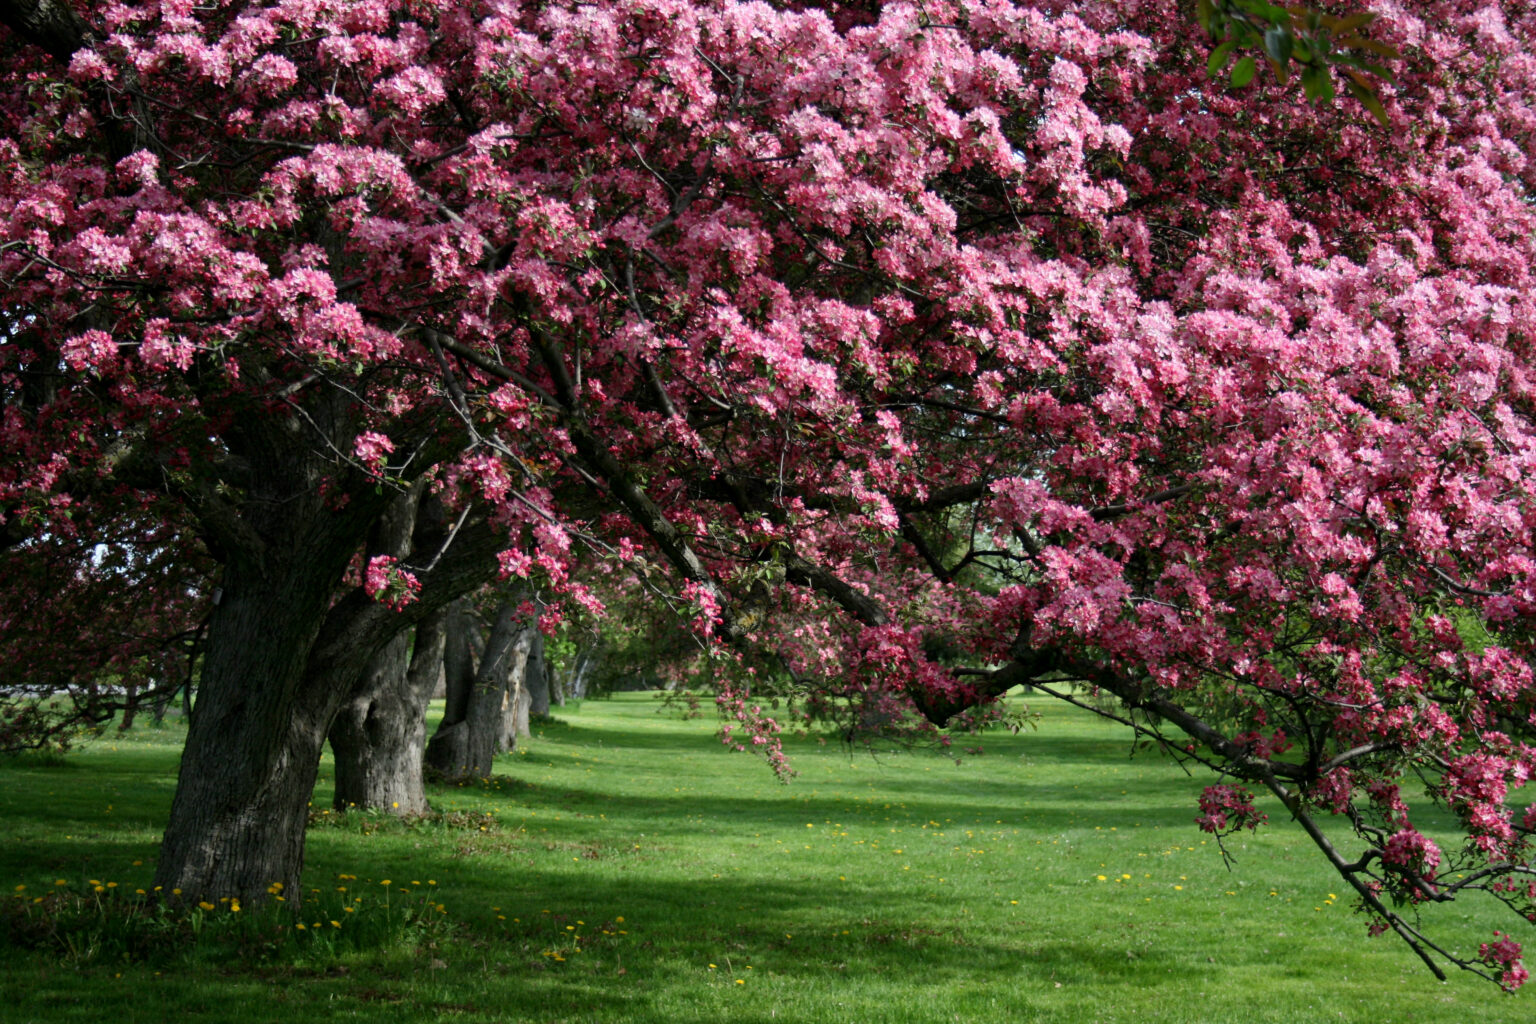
(1219, 58)
(1370, 100)
(1243, 72)
(1348, 24)
(1277, 43)
(1312, 78)
(1375, 46)
(1327, 84)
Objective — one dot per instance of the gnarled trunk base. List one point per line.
(379, 736)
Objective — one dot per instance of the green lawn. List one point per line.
(625, 867)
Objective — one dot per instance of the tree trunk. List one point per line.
(585, 662)
(253, 748)
(130, 707)
(380, 734)
(473, 727)
(517, 727)
(513, 721)
(536, 679)
(448, 750)
(283, 654)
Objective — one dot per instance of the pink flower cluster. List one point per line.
(1503, 955)
(389, 584)
(1226, 808)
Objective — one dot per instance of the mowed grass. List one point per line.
(625, 867)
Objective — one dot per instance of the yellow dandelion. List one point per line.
(335, 924)
(1102, 878)
(21, 888)
(300, 926)
(385, 882)
(205, 904)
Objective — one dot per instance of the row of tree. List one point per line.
(912, 351)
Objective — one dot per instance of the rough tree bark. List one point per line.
(462, 746)
(513, 722)
(242, 797)
(482, 707)
(379, 735)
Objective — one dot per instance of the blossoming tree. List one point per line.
(850, 326)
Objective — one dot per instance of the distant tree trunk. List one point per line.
(448, 750)
(130, 707)
(466, 742)
(161, 702)
(514, 705)
(516, 727)
(536, 676)
(580, 675)
(380, 735)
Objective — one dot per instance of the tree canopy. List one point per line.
(929, 349)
